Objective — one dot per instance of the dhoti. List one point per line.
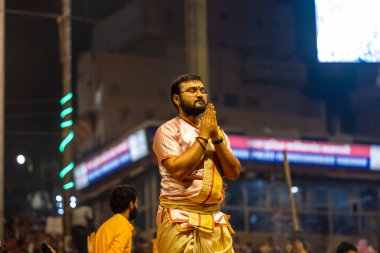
(171, 240)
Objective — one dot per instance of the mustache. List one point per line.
(200, 100)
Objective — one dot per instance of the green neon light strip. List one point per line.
(66, 141)
(68, 185)
(67, 169)
(66, 112)
(66, 123)
(66, 98)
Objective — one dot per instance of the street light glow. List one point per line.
(20, 159)
(294, 189)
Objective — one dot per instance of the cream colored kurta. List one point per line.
(190, 206)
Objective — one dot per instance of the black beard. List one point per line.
(192, 110)
(133, 214)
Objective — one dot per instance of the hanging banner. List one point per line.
(117, 156)
(306, 152)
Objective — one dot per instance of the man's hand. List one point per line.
(209, 126)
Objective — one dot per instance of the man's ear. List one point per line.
(176, 99)
(131, 205)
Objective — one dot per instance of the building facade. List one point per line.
(257, 82)
(334, 185)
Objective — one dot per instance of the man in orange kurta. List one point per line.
(115, 234)
(194, 155)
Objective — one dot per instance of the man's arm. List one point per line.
(230, 165)
(183, 165)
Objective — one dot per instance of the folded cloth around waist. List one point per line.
(189, 215)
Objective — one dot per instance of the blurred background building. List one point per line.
(266, 84)
(263, 85)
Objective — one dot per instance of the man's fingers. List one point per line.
(209, 109)
(213, 113)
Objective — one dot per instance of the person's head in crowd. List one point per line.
(288, 246)
(299, 246)
(346, 247)
(362, 246)
(124, 200)
(372, 249)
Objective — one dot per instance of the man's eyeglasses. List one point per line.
(192, 91)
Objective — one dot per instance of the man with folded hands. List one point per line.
(194, 156)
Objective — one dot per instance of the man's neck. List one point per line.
(126, 214)
(192, 118)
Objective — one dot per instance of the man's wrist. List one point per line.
(205, 135)
(200, 143)
(217, 140)
(202, 138)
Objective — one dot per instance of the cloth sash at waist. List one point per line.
(190, 206)
(195, 216)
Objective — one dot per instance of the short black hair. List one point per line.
(121, 197)
(344, 247)
(175, 89)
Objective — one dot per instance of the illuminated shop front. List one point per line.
(335, 185)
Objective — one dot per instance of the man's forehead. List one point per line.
(189, 84)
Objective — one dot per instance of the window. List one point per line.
(279, 195)
(318, 201)
(260, 222)
(314, 223)
(300, 195)
(340, 199)
(370, 225)
(282, 221)
(257, 193)
(369, 199)
(345, 225)
(236, 219)
(234, 193)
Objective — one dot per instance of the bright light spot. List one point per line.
(60, 211)
(20, 159)
(73, 204)
(58, 198)
(253, 219)
(294, 189)
(73, 199)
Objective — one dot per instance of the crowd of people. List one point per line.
(26, 237)
(298, 245)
